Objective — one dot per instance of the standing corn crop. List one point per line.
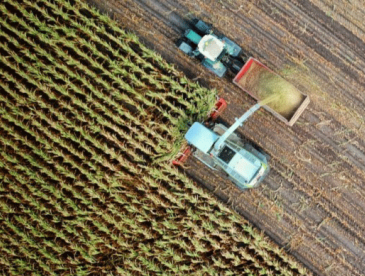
(88, 115)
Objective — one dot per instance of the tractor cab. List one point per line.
(211, 47)
(216, 53)
(245, 166)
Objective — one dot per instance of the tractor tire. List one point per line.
(203, 27)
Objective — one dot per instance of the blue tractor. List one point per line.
(217, 53)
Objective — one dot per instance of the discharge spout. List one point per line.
(239, 122)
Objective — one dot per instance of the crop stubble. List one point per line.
(314, 195)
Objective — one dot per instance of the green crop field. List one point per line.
(89, 121)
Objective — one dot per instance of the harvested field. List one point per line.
(88, 118)
(313, 202)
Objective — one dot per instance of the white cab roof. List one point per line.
(211, 47)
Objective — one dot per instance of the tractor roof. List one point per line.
(201, 137)
(211, 47)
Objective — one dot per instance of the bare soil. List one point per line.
(313, 201)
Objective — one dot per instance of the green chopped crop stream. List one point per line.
(89, 119)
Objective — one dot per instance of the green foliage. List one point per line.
(89, 120)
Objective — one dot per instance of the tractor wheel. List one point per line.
(203, 27)
(185, 47)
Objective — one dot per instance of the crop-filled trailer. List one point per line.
(253, 73)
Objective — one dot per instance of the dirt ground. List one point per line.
(312, 202)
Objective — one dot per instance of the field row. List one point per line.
(88, 115)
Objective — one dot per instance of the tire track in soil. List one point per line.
(353, 23)
(299, 184)
(321, 41)
(311, 222)
(264, 131)
(184, 63)
(266, 222)
(354, 222)
(327, 210)
(340, 34)
(323, 154)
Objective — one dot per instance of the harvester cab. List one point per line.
(217, 53)
(221, 149)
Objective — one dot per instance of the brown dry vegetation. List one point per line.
(313, 201)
